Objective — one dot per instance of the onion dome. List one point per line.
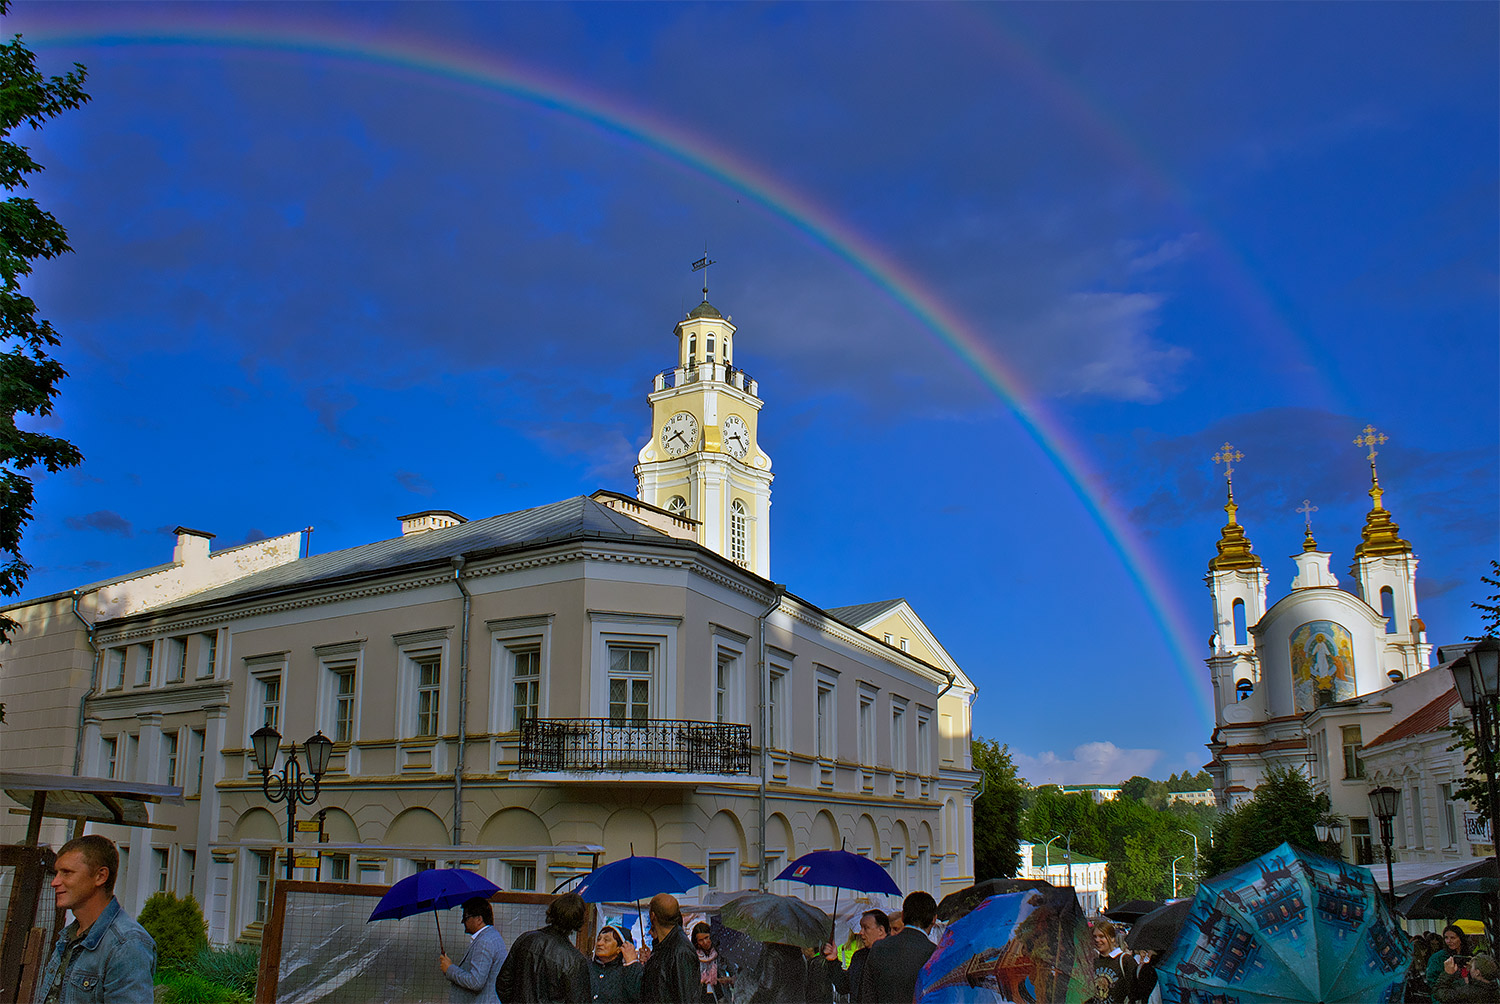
(1234, 547)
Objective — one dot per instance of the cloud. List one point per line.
(330, 406)
(1107, 342)
(414, 483)
(1141, 258)
(1092, 763)
(102, 520)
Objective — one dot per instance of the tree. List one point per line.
(28, 374)
(1491, 610)
(1283, 810)
(1474, 788)
(997, 812)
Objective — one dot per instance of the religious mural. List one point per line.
(1322, 664)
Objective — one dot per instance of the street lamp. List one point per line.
(1331, 832)
(291, 786)
(1385, 802)
(1477, 677)
(1174, 873)
(1195, 858)
(1047, 855)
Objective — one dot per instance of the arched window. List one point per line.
(710, 355)
(737, 532)
(1395, 675)
(692, 358)
(1388, 609)
(1239, 622)
(677, 505)
(1243, 689)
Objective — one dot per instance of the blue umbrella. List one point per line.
(1289, 926)
(433, 889)
(631, 879)
(842, 870)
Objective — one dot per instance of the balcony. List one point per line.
(602, 745)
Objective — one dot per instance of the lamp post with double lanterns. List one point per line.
(1476, 674)
(291, 785)
(1331, 835)
(1385, 802)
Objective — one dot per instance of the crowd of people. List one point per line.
(1451, 967)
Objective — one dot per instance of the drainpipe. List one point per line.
(765, 723)
(463, 706)
(88, 694)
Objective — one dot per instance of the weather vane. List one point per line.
(1228, 456)
(1307, 509)
(1372, 438)
(701, 265)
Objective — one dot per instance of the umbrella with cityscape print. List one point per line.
(1289, 926)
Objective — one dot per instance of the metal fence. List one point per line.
(603, 744)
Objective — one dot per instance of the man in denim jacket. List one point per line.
(104, 955)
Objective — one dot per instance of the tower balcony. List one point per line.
(649, 746)
(677, 376)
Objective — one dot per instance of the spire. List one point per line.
(1381, 534)
(1307, 509)
(1234, 547)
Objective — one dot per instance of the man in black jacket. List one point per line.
(874, 925)
(671, 975)
(545, 966)
(894, 962)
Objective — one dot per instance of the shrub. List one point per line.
(235, 967)
(177, 925)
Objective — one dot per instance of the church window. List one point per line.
(737, 532)
(1243, 689)
(1354, 767)
(1239, 622)
(1388, 609)
(677, 505)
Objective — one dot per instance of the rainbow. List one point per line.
(488, 74)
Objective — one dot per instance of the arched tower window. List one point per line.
(677, 505)
(1239, 622)
(1243, 689)
(737, 532)
(710, 345)
(1388, 609)
(692, 359)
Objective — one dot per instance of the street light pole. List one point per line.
(1070, 858)
(1195, 859)
(1476, 674)
(1174, 873)
(1047, 855)
(291, 786)
(1385, 802)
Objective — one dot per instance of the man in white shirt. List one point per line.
(473, 977)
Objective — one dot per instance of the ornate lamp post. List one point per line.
(1477, 676)
(1385, 802)
(291, 786)
(1331, 832)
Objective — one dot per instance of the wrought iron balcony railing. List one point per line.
(647, 746)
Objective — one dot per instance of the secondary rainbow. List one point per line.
(490, 75)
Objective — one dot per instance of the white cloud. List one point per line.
(1101, 345)
(1092, 763)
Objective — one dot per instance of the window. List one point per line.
(116, 668)
(722, 673)
(1364, 846)
(629, 684)
(143, 657)
(728, 690)
(775, 702)
(710, 344)
(526, 682)
(187, 872)
(866, 729)
(160, 861)
(1238, 613)
(889, 638)
(176, 660)
(169, 754)
(197, 741)
(906, 644)
(1354, 767)
(924, 745)
(898, 737)
(1243, 689)
(737, 532)
(677, 505)
(109, 748)
(722, 871)
(210, 650)
(824, 725)
(264, 871)
(1450, 822)
(343, 701)
(338, 867)
(522, 875)
(693, 348)
(1418, 823)
(270, 701)
(429, 676)
(1388, 609)
(128, 755)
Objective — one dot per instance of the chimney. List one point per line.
(192, 546)
(428, 519)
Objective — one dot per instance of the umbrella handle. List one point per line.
(440, 931)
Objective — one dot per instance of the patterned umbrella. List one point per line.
(1289, 926)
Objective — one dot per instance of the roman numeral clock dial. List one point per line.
(679, 434)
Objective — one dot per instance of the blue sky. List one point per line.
(316, 286)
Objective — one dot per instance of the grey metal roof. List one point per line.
(863, 613)
(570, 518)
(705, 309)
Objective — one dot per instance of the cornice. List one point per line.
(167, 700)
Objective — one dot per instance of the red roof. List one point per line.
(1431, 717)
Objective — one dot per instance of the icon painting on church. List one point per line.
(1322, 664)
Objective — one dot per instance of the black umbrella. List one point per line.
(1133, 910)
(1157, 930)
(956, 904)
(768, 917)
(1462, 898)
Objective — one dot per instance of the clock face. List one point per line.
(680, 434)
(736, 437)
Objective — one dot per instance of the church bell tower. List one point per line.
(704, 460)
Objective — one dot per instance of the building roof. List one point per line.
(863, 613)
(1431, 717)
(568, 519)
(705, 309)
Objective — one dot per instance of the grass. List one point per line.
(215, 976)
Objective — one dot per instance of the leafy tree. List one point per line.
(177, 926)
(997, 812)
(1473, 788)
(1490, 610)
(1284, 809)
(28, 374)
(1135, 788)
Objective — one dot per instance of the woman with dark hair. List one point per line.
(615, 976)
(1455, 945)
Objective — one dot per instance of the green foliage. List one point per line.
(997, 812)
(177, 925)
(1490, 610)
(1473, 788)
(28, 374)
(1284, 809)
(178, 986)
(235, 967)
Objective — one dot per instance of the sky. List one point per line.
(1007, 275)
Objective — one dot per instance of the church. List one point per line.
(1326, 676)
(525, 694)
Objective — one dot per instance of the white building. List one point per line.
(1088, 876)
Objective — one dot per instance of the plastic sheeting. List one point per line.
(330, 954)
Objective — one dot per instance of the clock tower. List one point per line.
(704, 459)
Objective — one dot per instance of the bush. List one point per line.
(235, 967)
(177, 925)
